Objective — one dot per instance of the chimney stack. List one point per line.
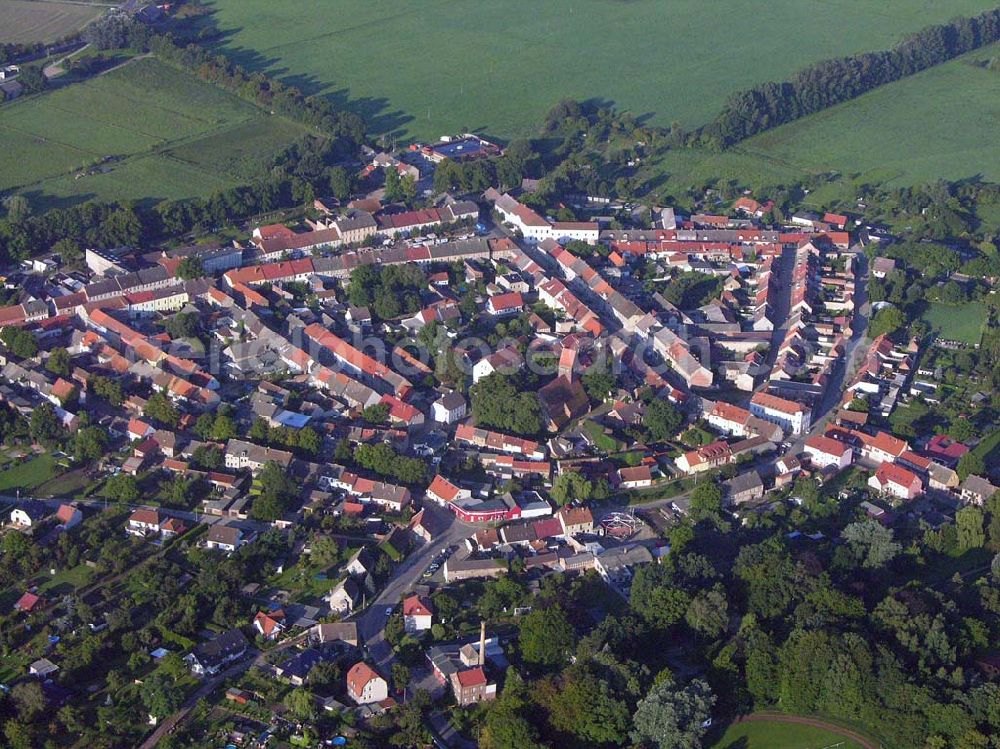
(482, 642)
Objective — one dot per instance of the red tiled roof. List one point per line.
(147, 516)
(773, 402)
(359, 676)
(415, 606)
(827, 445)
(472, 677)
(896, 474)
(443, 488)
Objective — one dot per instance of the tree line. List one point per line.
(831, 82)
(295, 176)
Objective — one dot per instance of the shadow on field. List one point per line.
(375, 110)
(42, 201)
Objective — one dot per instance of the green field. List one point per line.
(434, 67)
(28, 474)
(964, 323)
(941, 123)
(144, 130)
(775, 735)
(26, 21)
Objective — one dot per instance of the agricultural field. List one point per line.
(143, 131)
(964, 323)
(941, 123)
(27, 21)
(777, 735)
(425, 69)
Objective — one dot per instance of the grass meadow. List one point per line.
(424, 69)
(27, 21)
(155, 132)
(941, 123)
(962, 323)
(776, 735)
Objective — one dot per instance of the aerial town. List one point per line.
(476, 443)
(404, 401)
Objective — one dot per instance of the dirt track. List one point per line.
(847, 733)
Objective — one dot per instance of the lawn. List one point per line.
(145, 130)
(775, 735)
(604, 442)
(65, 581)
(28, 475)
(26, 21)
(963, 323)
(941, 123)
(435, 67)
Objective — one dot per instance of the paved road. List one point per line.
(372, 620)
(854, 354)
(193, 517)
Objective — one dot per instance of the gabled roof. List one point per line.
(146, 516)
(417, 606)
(28, 602)
(359, 676)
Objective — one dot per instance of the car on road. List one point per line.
(388, 610)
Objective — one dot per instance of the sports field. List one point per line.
(775, 735)
(25, 21)
(144, 130)
(438, 66)
(962, 323)
(941, 123)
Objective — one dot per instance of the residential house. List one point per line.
(365, 686)
(361, 563)
(504, 305)
(789, 415)
(68, 517)
(575, 520)
(143, 522)
(897, 481)
(638, 477)
(344, 597)
(296, 669)
(269, 625)
(326, 633)
(43, 668)
(746, 487)
(208, 658)
(28, 513)
(226, 538)
(506, 361)
(240, 454)
(825, 451)
(418, 614)
(976, 490)
(449, 408)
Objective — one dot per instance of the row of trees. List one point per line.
(831, 82)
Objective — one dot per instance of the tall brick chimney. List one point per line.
(482, 642)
